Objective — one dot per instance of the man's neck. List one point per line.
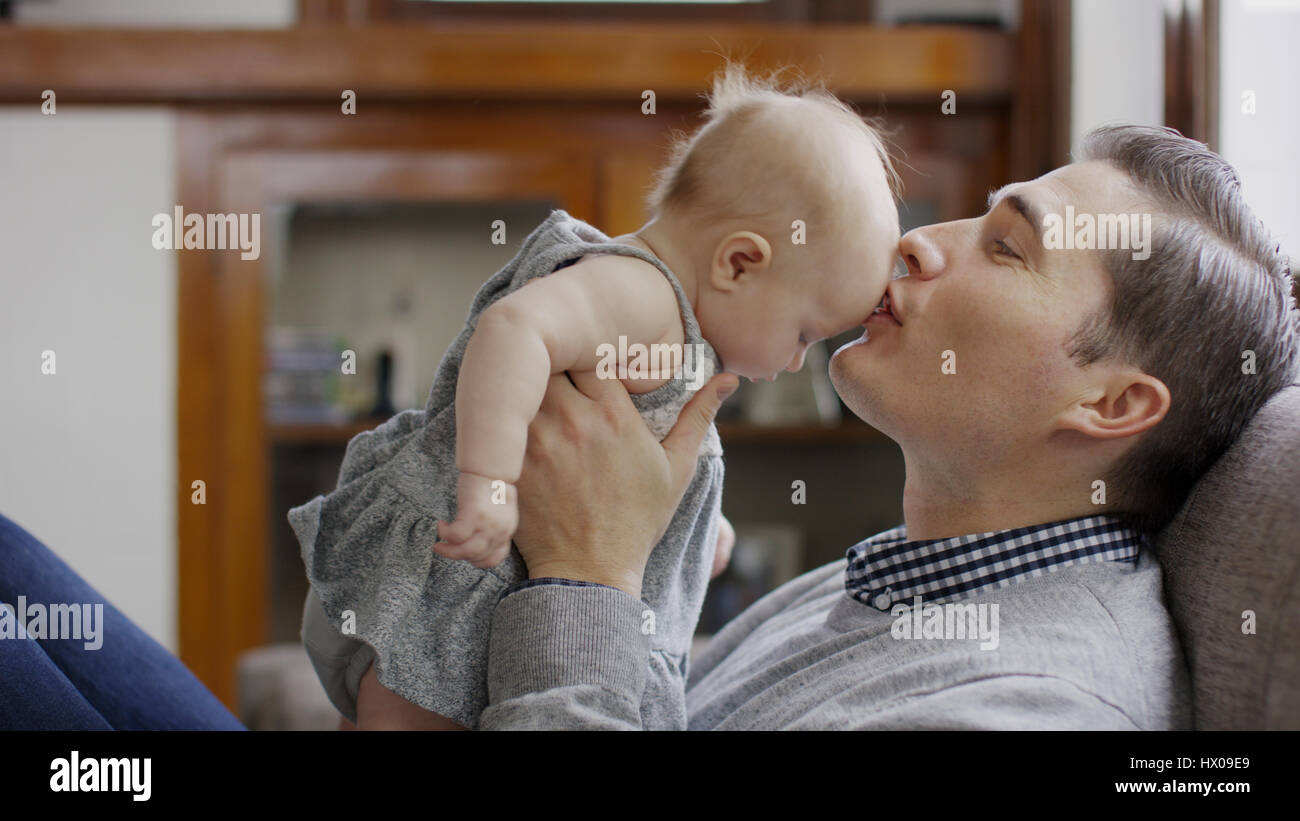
(937, 504)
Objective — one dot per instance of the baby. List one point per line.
(773, 227)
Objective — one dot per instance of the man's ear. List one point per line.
(1127, 403)
(740, 254)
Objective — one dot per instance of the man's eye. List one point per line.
(1001, 247)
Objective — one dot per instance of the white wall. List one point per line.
(1117, 62)
(1118, 66)
(1258, 52)
(88, 454)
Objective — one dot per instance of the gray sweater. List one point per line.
(1086, 647)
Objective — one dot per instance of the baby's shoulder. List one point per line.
(620, 280)
(615, 263)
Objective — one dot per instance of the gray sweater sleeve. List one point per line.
(566, 658)
(1000, 702)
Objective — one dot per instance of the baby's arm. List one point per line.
(551, 325)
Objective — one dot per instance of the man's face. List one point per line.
(975, 369)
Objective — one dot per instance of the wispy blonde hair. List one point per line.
(733, 164)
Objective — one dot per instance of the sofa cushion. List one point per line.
(1234, 549)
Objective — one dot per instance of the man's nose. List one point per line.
(921, 250)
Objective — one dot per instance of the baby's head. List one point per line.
(784, 202)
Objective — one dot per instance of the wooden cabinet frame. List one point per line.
(457, 111)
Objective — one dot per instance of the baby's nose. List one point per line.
(797, 363)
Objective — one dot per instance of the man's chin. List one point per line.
(854, 378)
(846, 347)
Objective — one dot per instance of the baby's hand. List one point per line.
(487, 513)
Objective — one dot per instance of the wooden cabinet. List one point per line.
(462, 113)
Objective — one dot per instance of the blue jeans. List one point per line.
(130, 682)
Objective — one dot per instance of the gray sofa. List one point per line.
(1235, 547)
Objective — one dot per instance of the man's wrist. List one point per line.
(621, 578)
(567, 633)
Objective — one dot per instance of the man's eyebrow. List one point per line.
(1022, 207)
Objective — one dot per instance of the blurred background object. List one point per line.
(302, 377)
(765, 556)
(806, 397)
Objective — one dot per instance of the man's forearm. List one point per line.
(566, 655)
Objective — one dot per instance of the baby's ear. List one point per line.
(740, 254)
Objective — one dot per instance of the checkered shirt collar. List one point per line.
(888, 569)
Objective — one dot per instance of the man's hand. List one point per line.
(597, 491)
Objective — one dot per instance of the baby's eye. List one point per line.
(1001, 247)
(802, 340)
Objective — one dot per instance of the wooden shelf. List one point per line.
(614, 61)
(732, 433)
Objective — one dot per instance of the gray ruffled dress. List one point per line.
(378, 591)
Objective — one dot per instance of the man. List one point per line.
(1054, 398)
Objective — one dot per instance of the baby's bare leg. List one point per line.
(379, 708)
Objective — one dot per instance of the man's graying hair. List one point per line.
(1215, 286)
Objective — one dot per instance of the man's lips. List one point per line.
(887, 311)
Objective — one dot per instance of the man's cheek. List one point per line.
(964, 339)
(1047, 366)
